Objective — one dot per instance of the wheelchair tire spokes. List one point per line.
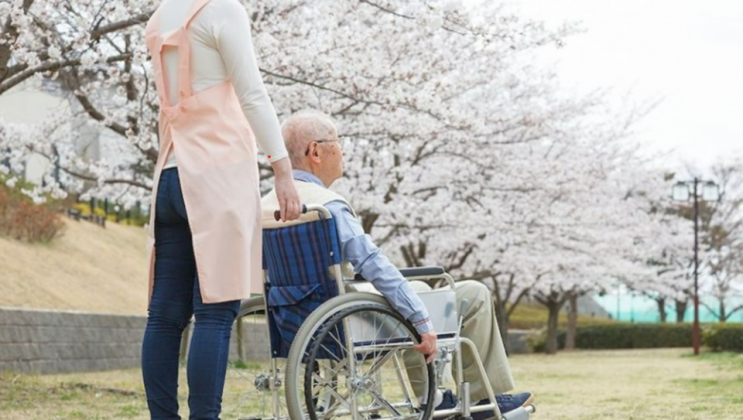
(376, 387)
(334, 376)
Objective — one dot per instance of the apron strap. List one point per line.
(184, 51)
(155, 44)
(195, 9)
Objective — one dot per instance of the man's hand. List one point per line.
(427, 347)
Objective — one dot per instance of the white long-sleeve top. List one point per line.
(222, 49)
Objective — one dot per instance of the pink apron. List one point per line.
(216, 155)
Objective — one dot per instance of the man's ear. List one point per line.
(315, 156)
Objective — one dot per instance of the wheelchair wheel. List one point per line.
(254, 385)
(352, 359)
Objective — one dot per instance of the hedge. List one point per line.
(630, 336)
(724, 337)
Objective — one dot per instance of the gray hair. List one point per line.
(302, 128)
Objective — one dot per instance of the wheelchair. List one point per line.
(337, 352)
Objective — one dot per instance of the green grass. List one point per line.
(723, 361)
(657, 384)
(634, 384)
(709, 389)
(42, 397)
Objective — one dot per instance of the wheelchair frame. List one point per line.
(446, 343)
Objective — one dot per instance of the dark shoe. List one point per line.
(506, 403)
(449, 401)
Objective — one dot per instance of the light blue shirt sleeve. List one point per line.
(369, 261)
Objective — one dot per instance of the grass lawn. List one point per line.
(634, 384)
(596, 385)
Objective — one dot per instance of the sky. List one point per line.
(687, 54)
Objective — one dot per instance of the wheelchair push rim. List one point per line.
(372, 384)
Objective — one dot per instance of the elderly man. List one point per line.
(317, 158)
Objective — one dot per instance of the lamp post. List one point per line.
(710, 192)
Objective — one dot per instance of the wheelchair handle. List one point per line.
(277, 213)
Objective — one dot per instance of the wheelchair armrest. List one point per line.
(413, 272)
(422, 271)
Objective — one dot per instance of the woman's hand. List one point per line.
(286, 192)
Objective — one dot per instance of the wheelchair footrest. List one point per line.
(521, 413)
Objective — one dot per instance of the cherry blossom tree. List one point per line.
(463, 153)
(724, 239)
(669, 256)
(93, 51)
(389, 68)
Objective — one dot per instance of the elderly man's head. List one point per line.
(313, 145)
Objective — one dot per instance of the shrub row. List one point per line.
(630, 336)
(724, 337)
(133, 217)
(718, 337)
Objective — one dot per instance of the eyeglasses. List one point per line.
(338, 140)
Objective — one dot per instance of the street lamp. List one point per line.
(683, 191)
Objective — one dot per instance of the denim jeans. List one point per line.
(175, 298)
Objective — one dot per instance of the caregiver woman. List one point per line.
(205, 216)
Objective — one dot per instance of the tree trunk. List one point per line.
(681, 310)
(572, 322)
(367, 221)
(723, 315)
(662, 309)
(501, 317)
(553, 308)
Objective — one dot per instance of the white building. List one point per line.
(34, 102)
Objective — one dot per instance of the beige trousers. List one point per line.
(480, 327)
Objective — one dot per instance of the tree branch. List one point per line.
(6, 48)
(21, 76)
(462, 259)
(100, 31)
(95, 35)
(732, 311)
(84, 177)
(386, 10)
(88, 106)
(709, 308)
(108, 181)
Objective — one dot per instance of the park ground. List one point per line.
(583, 385)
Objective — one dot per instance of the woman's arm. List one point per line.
(235, 45)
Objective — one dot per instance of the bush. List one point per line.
(630, 336)
(724, 337)
(83, 208)
(537, 340)
(21, 219)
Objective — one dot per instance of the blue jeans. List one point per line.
(175, 298)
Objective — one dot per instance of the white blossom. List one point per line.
(463, 152)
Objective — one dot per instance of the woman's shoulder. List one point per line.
(226, 7)
(217, 13)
